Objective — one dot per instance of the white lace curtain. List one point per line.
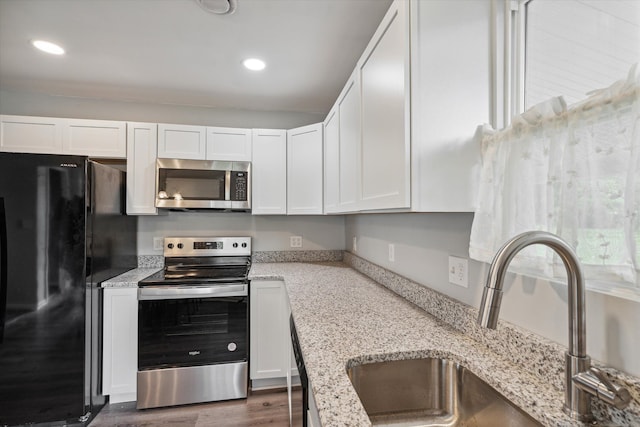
(571, 171)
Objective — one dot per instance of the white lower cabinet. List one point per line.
(120, 344)
(270, 355)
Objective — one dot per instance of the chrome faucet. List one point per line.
(581, 379)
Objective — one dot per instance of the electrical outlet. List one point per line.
(295, 241)
(459, 271)
(158, 243)
(392, 252)
(355, 244)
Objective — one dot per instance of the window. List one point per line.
(572, 47)
(568, 159)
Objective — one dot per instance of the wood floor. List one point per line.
(259, 409)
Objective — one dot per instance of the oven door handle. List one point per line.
(178, 292)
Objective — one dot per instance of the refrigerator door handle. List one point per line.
(3, 267)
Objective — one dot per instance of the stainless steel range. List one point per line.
(193, 324)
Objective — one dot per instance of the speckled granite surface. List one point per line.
(297, 256)
(344, 318)
(150, 261)
(129, 279)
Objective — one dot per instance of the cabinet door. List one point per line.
(120, 344)
(23, 134)
(304, 170)
(228, 144)
(331, 161)
(269, 172)
(181, 142)
(270, 345)
(142, 147)
(349, 149)
(384, 81)
(445, 149)
(95, 138)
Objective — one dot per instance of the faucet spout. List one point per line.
(581, 380)
(492, 295)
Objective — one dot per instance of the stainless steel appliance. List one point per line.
(193, 323)
(62, 232)
(304, 380)
(203, 184)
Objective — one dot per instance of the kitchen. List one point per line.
(422, 241)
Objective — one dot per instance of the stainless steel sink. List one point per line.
(431, 392)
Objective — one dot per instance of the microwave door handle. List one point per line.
(4, 278)
(227, 185)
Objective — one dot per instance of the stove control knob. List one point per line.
(180, 246)
(235, 245)
(170, 245)
(244, 245)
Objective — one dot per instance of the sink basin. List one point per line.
(431, 392)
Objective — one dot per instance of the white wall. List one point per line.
(39, 104)
(269, 233)
(423, 243)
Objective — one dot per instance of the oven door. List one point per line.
(192, 326)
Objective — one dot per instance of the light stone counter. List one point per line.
(129, 279)
(344, 317)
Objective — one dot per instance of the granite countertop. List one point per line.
(345, 318)
(130, 279)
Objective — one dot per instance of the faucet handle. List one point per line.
(595, 382)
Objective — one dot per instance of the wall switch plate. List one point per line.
(158, 243)
(392, 252)
(355, 244)
(459, 271)
(295, 241)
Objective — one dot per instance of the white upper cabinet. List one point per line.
(407, 118)
(31, 134)
(450, 97)
(349, 151)
(142, 147)
(182, 142)
(204, 143)
(95, 138)
(304, 170)
(331, 161)
(373, 125)
(384, 83)
(228, 144)
(269, 172)
(50, 135)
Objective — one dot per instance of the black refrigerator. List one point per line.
(63, 231)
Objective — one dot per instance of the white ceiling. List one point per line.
(173, 52)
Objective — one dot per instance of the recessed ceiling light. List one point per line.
(48, 47)
(254, 64)
(219, 7)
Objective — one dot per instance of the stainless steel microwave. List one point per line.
(203, 184)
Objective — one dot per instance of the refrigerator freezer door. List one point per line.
(42, 356)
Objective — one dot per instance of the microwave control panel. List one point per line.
(239, 186)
